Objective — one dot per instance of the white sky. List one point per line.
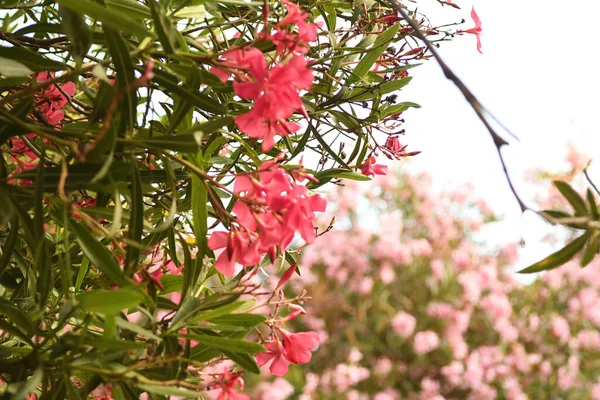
(539, 75)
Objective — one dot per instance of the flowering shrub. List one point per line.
(408, 304)
(153, 177)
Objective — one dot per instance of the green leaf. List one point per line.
(42, 266)
(249, 320)
(560, 257)
(371, 57)
(163, 27)
(191, 143)
(363, 94)
(217, 312)
(183, 108)
(39, 27)
(136, 227)
(347, 119)
(593, 245)
(189, 267)
(38, 215)
(124, 324)
(109, 16)
(342, 174)
(244, 360)
(30, 385)
(13, 330)
(6, 209)
(593, 205)
(9, 244)
(106, 91)
(36, 62)
(11, 68)
(169, 391)
(17, 317)
(200, 220)
(101, 343)
(125, 75)
(111, 301)
(190, 307)
(573, 198)
(191, 12)
(78, 32)
(132, 8)
(199, 100)
(227, 344)
(328, 149)
(98, 254)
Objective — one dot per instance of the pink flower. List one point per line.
(51, 100)
(307, 32)
(393, 148)
(226, 382)
(560, 328)
(369, 168)
(275, 92)
(298, 346)
(404, 324)
(497, 306)
(596, 391)
(425, 342)
(240, 246)
(271, 209)
(276, 352)
(103, 392)
(589, 340)
(475, 30)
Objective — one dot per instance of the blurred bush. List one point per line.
(409, 305)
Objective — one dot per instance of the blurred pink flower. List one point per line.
(560, 328)
(404, 324)
(425, 342)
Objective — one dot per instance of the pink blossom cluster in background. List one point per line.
(411, 306)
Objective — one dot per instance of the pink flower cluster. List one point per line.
(445, 314)
(294, 348)
(274, 89)
(51, 100)
(271, 208)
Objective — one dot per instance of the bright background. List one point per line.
(538, 74)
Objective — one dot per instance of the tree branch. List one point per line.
(481, 111)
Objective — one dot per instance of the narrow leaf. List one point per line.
(98, 254)
(34, 61)
(558, 258)
(572, 197)
(125, 75)
(136, 227)
(78, 32)
(111, 301)
(369, 59)
(111, 17)
(163, 27)
(227, 344)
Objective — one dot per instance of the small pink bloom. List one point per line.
(226, 382)
(560, 328)
(475, 30)
(426, 342)
(298, 346)
(286, 276)
(276, 352)
(404, 324)
(369, 168)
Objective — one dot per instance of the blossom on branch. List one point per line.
(476, 30)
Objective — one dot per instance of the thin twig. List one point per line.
(481, 111)
(585, 172)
